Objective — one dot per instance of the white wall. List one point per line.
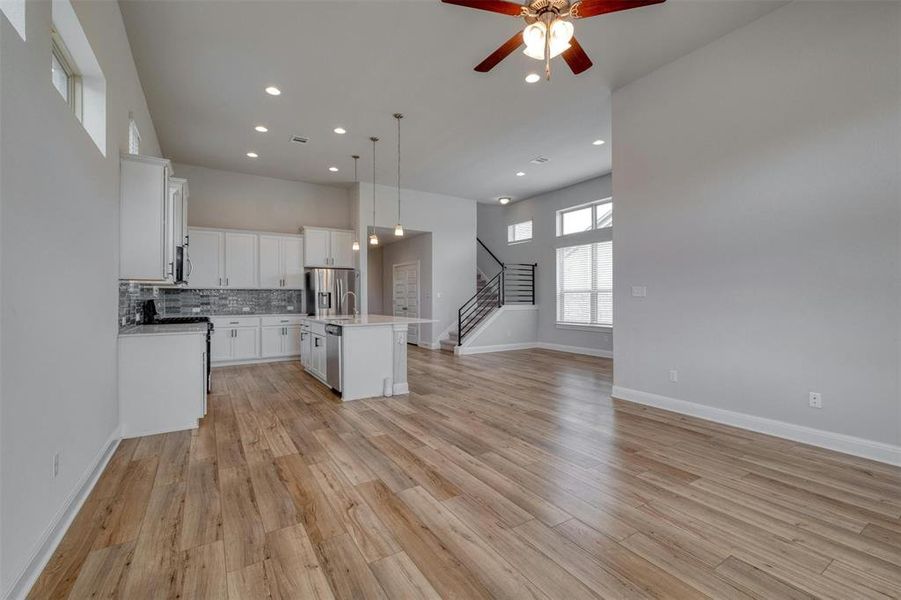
(452, 223)
(241, 201)
(374, 280)
(58, 273)
(493, 221)
(413, 249)
(757, 198)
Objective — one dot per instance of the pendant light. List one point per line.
(398, 229)
(373, 238)
(356, 245)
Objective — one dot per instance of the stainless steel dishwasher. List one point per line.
(333, 374)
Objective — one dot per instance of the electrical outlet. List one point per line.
(246, 309)
(639, 291)
(290, 307)
(674, 376)
(196, 309)
(55, 465)
(156, 292)
(815, 400)
(124, 320)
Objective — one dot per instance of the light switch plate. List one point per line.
(639, 291)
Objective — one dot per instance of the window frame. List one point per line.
(593, 290)
(134, 137)
(511, 227)
(594, 204)
(59, 51)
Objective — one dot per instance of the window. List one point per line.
(63, 74)
(586, 217)
(519, 232)
(585, 285)
(134, 137)
(75, 72)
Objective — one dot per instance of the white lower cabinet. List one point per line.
(306, 346)
(317, 356)
(162, 382)
(253, 338)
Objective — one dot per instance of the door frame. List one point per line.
(418, 296)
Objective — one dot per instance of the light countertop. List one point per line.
(165, 329)
(367, 320)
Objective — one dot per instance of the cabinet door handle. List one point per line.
(226, 282)
(220, 282)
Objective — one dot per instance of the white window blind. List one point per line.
(585, 284)
(519, 232)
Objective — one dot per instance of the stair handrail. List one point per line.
(490, 253)
(522, 285)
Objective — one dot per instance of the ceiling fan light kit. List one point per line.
(549, 30)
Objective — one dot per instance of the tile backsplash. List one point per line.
(174, 302)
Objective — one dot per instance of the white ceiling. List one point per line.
(204, 65)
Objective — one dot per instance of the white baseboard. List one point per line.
(430, 345)
(495, 348)
(60, 523)
(401, 388)
(531, 345)
(878, 451)
(575, 349)
(134, 434)
(253, 361)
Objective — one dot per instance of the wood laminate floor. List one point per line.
(509, 475)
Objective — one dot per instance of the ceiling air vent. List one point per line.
(539, 160)
(299, 139)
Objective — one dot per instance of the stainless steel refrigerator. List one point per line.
(331, 292)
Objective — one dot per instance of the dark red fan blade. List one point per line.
(592, 8)
(501, 53)
(576, 58)
(496, 6)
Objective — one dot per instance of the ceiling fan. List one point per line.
(549, 31)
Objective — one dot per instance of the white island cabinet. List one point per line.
(162, 378)
(373, 354)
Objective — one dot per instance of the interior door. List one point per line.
(240, 260)
(342, 249)
(292, 259)
(271, 273)
(205, 252)
(406, 296)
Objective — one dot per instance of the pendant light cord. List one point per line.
(398, 116)
(374, 140)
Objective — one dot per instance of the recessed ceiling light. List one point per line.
(252, 155)
(333, 169)
(533, 77)
(504, 200)
(598, 143)
(261, 128)
(340, 130)
(520, 174)
(273, 91)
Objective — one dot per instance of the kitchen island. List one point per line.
(362, 356)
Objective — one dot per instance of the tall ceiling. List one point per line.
(204, 65)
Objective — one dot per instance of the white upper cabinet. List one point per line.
(342, 249)
(271, 273)
(145, 231)
(178, 189)
(240, 260)
(206, 253)
(281, 261)
(292, 255)
(316, 247)
(330, 248)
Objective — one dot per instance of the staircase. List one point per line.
(513, 284)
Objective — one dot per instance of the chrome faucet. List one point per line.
(344, 299)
